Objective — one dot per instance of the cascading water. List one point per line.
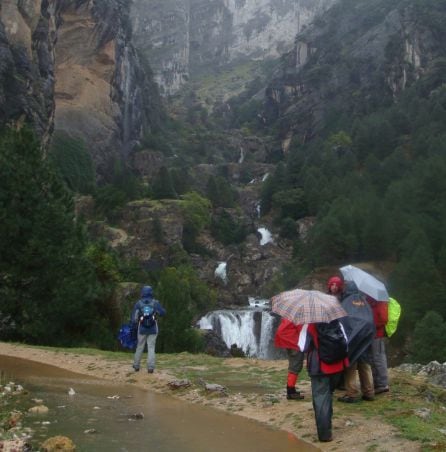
(242, 155)
(258, 209)
(220, 272)
(251, 329)
(266, 236)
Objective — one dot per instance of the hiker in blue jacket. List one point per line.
(143, 318)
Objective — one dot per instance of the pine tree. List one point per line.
(416, 279)
(427, 342)
(163, 185)
(49, 287)
(176, 332)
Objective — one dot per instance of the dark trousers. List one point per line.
(322, 388)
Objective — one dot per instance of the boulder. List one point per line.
(38, 409)
(58, 443)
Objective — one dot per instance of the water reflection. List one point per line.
(111, 412)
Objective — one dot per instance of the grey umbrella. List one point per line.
(365, 282)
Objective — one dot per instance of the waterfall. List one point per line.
(220, 272)
(258, 209)
(242, 155)
(251, 329)
(266, 236)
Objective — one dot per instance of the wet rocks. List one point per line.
(214, 387)
(14, 445)
(12, 420)
(38, 409)
(177, 384)
(58, 443)
(214, 344)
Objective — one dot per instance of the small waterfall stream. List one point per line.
(266, 236)
(251, 329)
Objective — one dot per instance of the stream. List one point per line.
(103, 416)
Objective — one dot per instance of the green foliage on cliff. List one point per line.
(197, 215)
(162, 185)
(73, 161)
(220, 192)
(122, 186)
(226, 229)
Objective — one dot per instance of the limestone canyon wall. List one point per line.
(182, 38)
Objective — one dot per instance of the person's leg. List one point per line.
(323, 406)
(139, 350)
(366, 381)
(151, 341)
(295, 364)
(351, 388)
(379, 366)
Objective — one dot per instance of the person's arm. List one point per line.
(159, 309)
(134, 318)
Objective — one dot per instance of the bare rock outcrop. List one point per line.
(27, 42)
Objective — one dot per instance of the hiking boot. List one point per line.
(347, 399)
(295, 396)
(136, 369)
(368, 398)
(292, 394)
(150, 371)
(381, 390)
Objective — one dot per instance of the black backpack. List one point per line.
(333, 345)
(148, 315)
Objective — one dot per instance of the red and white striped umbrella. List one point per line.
(307, 306)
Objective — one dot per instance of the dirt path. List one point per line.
(351, 432)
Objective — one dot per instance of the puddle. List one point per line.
(110, 412)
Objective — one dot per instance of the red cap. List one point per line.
(337, 281)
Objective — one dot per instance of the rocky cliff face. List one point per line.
(184, 38)
(152, 232)
(71, 66)
(349, 60)
(27, 40)
(103, 94)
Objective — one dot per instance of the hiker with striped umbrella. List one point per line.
(323, 338)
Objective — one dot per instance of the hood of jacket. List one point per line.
(146, 292)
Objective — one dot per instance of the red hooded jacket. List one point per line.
(287, 335)
(380, 315)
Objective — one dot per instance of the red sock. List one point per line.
(291, 380)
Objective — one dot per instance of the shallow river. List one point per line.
(110, 412)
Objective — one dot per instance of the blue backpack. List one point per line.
(148, 316)
(127, 336)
